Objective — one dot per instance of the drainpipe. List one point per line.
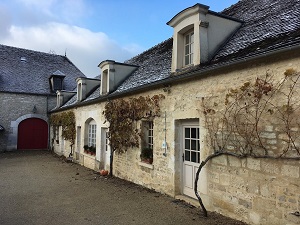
(47, 108)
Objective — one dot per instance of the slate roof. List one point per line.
(27, 71)
(268, 25)
(264, 22)
(154, 64)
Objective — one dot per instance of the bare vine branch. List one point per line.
(238, 127)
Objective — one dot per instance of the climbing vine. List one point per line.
(122, 116)
(67, 121)
(250, 115)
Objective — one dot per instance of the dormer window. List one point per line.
(189, 48)
(198, 35)
(113, 74)
(104, 82)
(56, 81)
(85, 86)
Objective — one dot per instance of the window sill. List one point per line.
(147, 165)
(89, 155)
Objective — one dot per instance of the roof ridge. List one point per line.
(30, 50)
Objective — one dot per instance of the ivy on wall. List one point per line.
(67, 121)
(123, 115)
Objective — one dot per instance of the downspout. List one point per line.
(48, 115)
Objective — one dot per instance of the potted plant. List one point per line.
(86, 149)
(147, 155)
(92, 150)
(103, 172)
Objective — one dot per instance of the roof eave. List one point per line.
(181, 77)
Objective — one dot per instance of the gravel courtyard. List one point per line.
(37, 187)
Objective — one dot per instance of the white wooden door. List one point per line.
(78, 143)
(105, 149)
(191, 158)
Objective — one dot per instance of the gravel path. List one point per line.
(37, 187)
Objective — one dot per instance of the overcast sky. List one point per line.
(90, 31)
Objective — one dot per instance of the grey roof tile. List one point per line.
(95, 94)
(154, 64)
(31, 74)
(264, 19)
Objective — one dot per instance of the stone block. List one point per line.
(235, 162)
(245, 203)
(269, 128)
(222, 160)
(224, 179)
(255, 218)
(270, 166)
(290, 171)
(218, 203)
(253, 187)
(214, 177)
(263, 205)
(253, 164)
(268, 135)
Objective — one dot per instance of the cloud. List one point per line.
(5, 21)
(86, 49)
(56, 26)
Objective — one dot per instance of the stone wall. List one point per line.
(258, 191)
(14, 107)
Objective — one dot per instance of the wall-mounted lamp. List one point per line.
(34, 110)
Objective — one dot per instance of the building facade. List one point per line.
(210, 55)
(28, 84)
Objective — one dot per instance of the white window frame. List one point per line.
(92, 133)
(150, 135)
(188, 48)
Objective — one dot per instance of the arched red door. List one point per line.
(33, 134)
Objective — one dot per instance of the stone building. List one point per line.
(209, 54)
(28, 84)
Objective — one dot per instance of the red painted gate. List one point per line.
(33, 134)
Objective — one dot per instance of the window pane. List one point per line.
(193, 133)
(187, 50)
(187, 132)
(198, 157)
(193, 145)
(187, 156)
(187, 144)
(187, 61)
(187, 39)
(193, 157)
(192, 37)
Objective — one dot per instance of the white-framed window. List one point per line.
(191, 144)
(188, 48)
(147, 142)
(92, 133)
(150, 135)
